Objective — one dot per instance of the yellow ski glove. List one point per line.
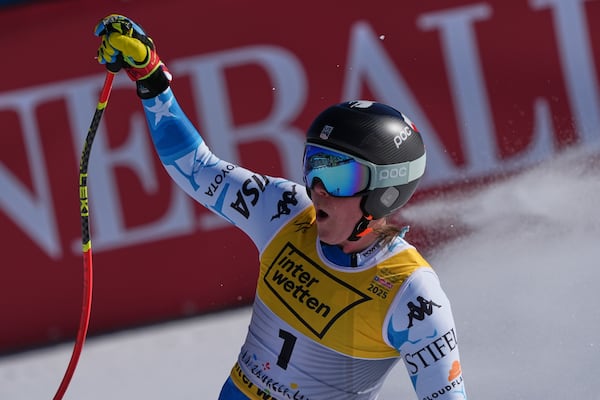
(126, 45)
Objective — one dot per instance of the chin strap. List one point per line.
(361, 228)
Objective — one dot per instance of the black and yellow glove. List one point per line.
(126, 45)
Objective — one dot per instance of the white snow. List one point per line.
(522, 282)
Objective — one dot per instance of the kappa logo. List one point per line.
(302, 225)
(289, 197)
(419, 312)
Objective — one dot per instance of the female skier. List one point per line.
(341, 296)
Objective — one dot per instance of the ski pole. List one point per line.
(85, 236)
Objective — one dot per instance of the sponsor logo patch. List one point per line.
(306, 290)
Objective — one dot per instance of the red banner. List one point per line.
(493, 86)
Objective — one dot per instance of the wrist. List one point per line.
(156, 82)
(143, 70)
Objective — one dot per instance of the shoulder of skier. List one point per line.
(421, 326)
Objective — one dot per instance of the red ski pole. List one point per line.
(85, 236)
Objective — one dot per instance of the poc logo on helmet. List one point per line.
(405, 133)
(392, 173)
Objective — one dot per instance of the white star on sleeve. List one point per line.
(160, 110)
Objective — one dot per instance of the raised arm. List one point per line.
(255, 203)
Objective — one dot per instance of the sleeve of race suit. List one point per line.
(257, 204)
(421, 326)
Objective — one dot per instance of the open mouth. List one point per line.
(321, 215)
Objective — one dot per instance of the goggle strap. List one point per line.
(398, 174)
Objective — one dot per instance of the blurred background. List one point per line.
(505, 94)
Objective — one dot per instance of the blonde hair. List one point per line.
(388, 232)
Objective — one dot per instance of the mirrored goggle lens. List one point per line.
(341, 174)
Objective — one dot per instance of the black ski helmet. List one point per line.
(377, 133)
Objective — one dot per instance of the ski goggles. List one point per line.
(344, 175)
